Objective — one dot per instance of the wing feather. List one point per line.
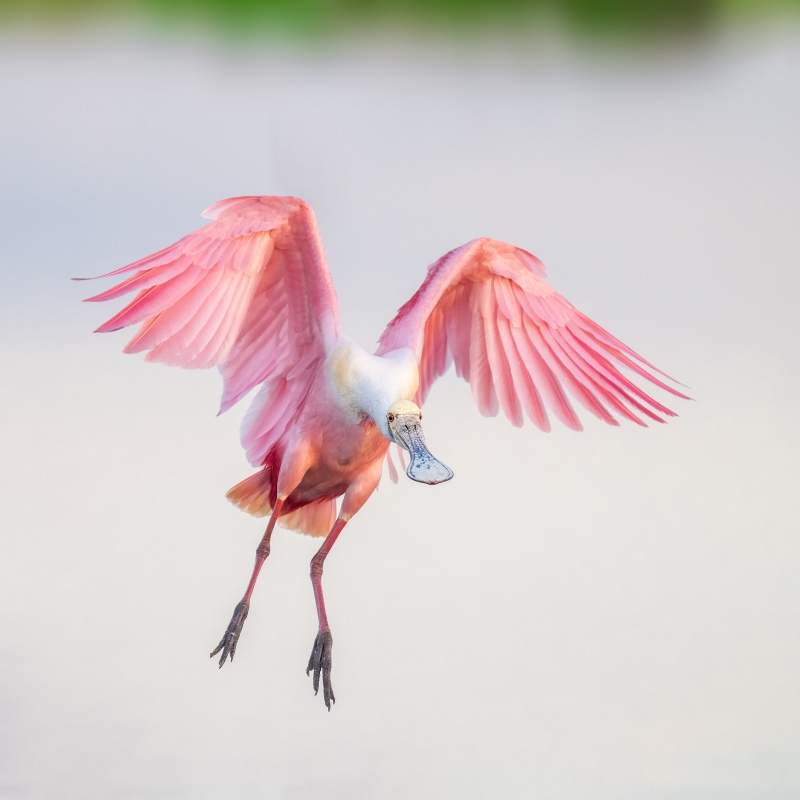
(180, 311)
(193, 335)
(481, 378)
(595, 361)
(566, 372)
(393, 476)
(545, 379)
(498, 363)
(154, 299)
(220, 335)
(143, 280)
(523, 384)
(487, 307)
(250, 292)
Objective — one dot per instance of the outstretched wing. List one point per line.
(488, 307)
(251, 293)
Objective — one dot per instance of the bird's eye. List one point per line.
(390, 417)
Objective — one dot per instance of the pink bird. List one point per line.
(251, 293)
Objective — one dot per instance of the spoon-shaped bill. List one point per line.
(424, 466)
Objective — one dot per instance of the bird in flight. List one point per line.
(250, 293)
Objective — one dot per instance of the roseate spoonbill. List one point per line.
(251, 293)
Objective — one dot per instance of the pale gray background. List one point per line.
(612, 614)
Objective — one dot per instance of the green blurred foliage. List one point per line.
(320, 17)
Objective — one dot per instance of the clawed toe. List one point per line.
(321, 661)
(229, 641)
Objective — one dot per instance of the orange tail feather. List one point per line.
(252, 494)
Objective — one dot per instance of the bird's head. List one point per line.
(403, 420)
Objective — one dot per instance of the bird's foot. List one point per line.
(321, 661)
(230, 639)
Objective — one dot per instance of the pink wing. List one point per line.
(250, 293)
(487, 307)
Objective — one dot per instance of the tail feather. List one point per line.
(253, 496)
(314, 519)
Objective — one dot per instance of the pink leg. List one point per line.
(231, 637)
(355, 497)
(321, 660)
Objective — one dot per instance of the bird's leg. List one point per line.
(231, 637)
(321, 656)
(321, 659)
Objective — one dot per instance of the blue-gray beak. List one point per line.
(424, 466)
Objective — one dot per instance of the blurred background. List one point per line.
(611, 614)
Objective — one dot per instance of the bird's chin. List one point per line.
(424, 466)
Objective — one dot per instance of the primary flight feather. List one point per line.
(251, 293)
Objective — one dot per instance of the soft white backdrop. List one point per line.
(612, 614)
